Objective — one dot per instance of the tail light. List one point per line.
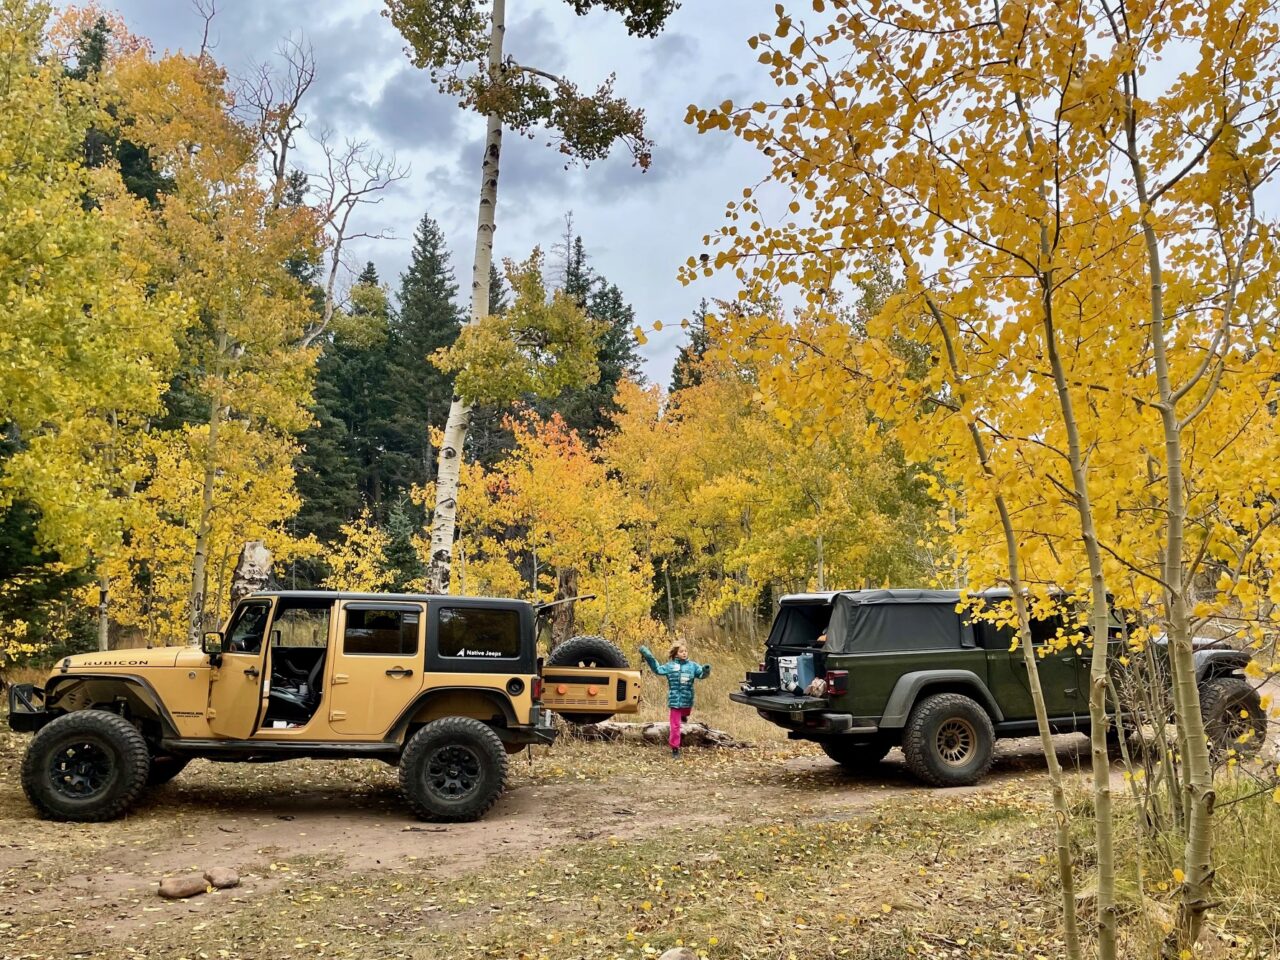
(837, 682)
(535, 688)
(761, 667)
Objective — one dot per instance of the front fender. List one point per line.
(141, 696)
(1219, 663)
(910, 685)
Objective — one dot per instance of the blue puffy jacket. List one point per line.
(680, 675)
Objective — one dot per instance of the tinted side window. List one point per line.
(1042, 632)
(473, 632)
(246, 631)
(381, 632)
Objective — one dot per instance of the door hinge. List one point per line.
(340, 678)
(337, 714)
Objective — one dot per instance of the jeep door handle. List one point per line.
(399, 672)
(251, 672)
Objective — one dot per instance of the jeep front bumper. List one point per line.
(26, 708)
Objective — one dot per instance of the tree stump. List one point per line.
(693, 733)
(253, 571)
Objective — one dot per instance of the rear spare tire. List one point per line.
(588, 651)
(949, 741)
(453, 769)
(1232, 709)
(854, 755)
(86, 766)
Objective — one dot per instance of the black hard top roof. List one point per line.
(900, 595)
(392, 597)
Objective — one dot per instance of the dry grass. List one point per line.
(25, 674)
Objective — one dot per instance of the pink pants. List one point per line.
(677, 715)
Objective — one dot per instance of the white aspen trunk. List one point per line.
(1199, 796)
(104, 619)
(195, 600)
(1104, 832)
(671, 606)
(822, 573)
(1061, 809)
(444, 519)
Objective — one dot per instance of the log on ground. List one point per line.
(692, 734)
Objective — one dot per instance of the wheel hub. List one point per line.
(956, 741)
(453, 771)
(80, 770)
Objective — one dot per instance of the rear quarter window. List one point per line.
(475, 633)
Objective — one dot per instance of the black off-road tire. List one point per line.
(588, 651)
(453, 770)
(1222, 701)
(164, 769)
(87, 766)
(854, 755)
(949, 741)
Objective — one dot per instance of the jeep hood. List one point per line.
(128, 660)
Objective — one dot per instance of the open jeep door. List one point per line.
(236, 688)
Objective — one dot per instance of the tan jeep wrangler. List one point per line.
(444, 687)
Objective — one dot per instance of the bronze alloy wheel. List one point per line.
(956, 741)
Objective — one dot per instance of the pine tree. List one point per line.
(417, 392)
(405, 520)
(341, 469)
(489, 440)
(591, 409)
(141, 176)
(687, 371)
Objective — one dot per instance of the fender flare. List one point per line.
(136, 685)
(495, 697)
(909, 686)
(1219, 663)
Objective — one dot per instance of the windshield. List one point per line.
(247, 628)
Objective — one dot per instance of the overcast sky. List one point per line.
(637, 227)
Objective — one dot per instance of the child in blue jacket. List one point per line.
(680, 672)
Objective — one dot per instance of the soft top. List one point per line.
(899, 595)
(890, 620)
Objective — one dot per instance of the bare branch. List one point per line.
(269, 100)
(207, 10)
(354, 175)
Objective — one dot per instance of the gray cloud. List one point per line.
(410, 113)
(637, 228)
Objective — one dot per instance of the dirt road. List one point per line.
(313, 823)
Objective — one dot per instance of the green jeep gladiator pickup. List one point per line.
(905, 668)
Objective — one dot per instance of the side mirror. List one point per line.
(212, 642)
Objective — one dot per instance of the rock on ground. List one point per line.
(222, 878)
(179, 888)
(679, 953)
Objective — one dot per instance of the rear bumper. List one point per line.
(541, 730)
(26, 708)
(803, 716)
